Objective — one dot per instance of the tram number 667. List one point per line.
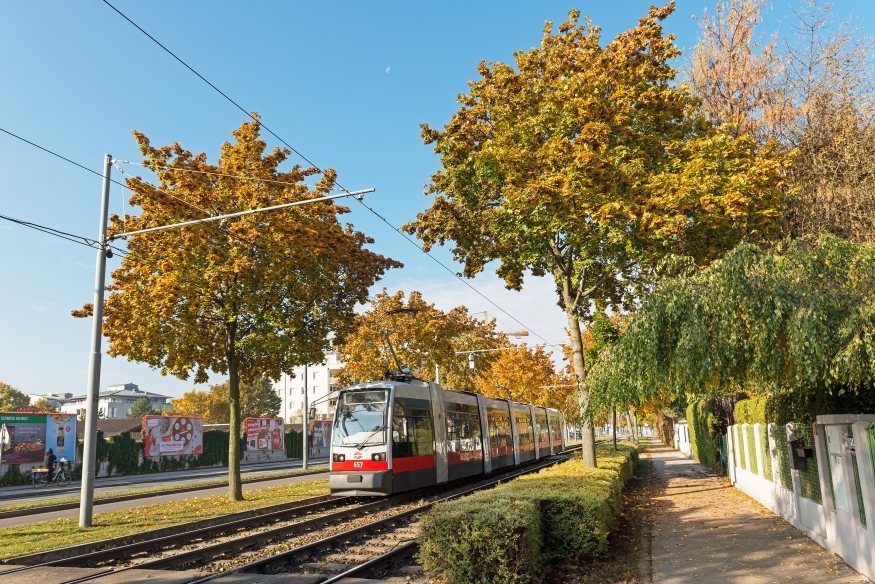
(358, 465)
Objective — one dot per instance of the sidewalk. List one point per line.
(705, 530)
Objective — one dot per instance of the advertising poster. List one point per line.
(173, 435)
(27, 437)
(320, 430)
(265, 433)
(61, 435)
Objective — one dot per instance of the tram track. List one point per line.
(284, 541)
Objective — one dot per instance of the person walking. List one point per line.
(49, 463)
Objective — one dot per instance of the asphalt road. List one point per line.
(10, 495)
(156, 499)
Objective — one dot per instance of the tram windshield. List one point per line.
(361, 418)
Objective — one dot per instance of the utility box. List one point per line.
(799, 454)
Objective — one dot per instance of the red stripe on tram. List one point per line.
(409, 463)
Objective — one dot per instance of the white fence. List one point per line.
(828, 491)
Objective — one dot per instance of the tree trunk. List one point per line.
(587, 432)
(235, 485)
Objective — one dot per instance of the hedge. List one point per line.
(506, 534)
(704, 438)
(751, 411)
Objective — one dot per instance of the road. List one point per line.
(10, 495)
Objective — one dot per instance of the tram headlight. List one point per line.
(378, 457)
(339, 458)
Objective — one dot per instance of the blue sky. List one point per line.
(346, 83)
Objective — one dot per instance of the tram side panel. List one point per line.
(464, 439)
(543, 432)
(556, 431)
(484, 432)
(413, 439)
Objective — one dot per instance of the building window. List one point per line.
(315, 389)
(315, 375)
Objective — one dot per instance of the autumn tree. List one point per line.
(586, 163)
(252, 297)
(11, 399)
(524, 374)
(44, 405)
(812, 91)
(258, 400)
(429, 338)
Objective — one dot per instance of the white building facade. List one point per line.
(117, 400)
(321, 388)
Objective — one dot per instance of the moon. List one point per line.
(388, 69)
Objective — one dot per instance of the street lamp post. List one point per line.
(89, 455)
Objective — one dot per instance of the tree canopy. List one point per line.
(526, 374)
(252, 297)
(796, 323)
(258, 400)
(44, 405)
(430, 338)
(588, 163)
(142, 407)
(11, 399)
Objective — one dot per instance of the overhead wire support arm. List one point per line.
(356, 194)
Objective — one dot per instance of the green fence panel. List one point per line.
(765, 452)
(751, 449)
(809, 479)
(783, 455)
(857, 486)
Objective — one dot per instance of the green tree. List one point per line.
(142, 407)
(586, 163)
(253, 297)
(12, 399)
(257, 400)
(795, 323)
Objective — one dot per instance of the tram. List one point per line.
(399, 435)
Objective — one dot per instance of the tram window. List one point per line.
(463, 431)
(412, 433)
(524, 428)
(499, 428)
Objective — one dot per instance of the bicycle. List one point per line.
(40, 476)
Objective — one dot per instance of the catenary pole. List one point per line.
(89, 453)
(306, 424)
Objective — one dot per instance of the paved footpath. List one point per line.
(706, 530)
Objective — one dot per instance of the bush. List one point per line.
(565, 511)
(751, 411)
(483, 538)
(704, 437)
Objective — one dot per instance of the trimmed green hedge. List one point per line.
(704, 438)
(751, 411)
(505, 535)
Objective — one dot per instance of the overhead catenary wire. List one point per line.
(311, 163)
(82, 240)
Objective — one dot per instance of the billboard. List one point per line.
(173, 435)
(320, 433)
(265, 433)
(30, 435)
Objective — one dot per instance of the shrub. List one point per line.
(704, 438)
(483, 539)
(751, 411)
(504, 535)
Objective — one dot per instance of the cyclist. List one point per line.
(49, 463)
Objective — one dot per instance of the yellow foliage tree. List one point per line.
(429, 339)
(251, 298)
(525, 374)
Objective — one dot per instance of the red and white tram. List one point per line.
(395, 436)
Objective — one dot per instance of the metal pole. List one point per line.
(90, 451)
(306, 421)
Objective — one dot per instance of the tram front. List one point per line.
(359, 463)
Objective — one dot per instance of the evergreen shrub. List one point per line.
(506, 534)
(704, 436)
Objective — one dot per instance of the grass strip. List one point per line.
(48, 535)
(158, 489)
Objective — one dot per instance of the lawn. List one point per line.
(48, 535)
(159, 489)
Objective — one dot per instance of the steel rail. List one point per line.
(397, 553)
(289, 556)
(119, 552)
